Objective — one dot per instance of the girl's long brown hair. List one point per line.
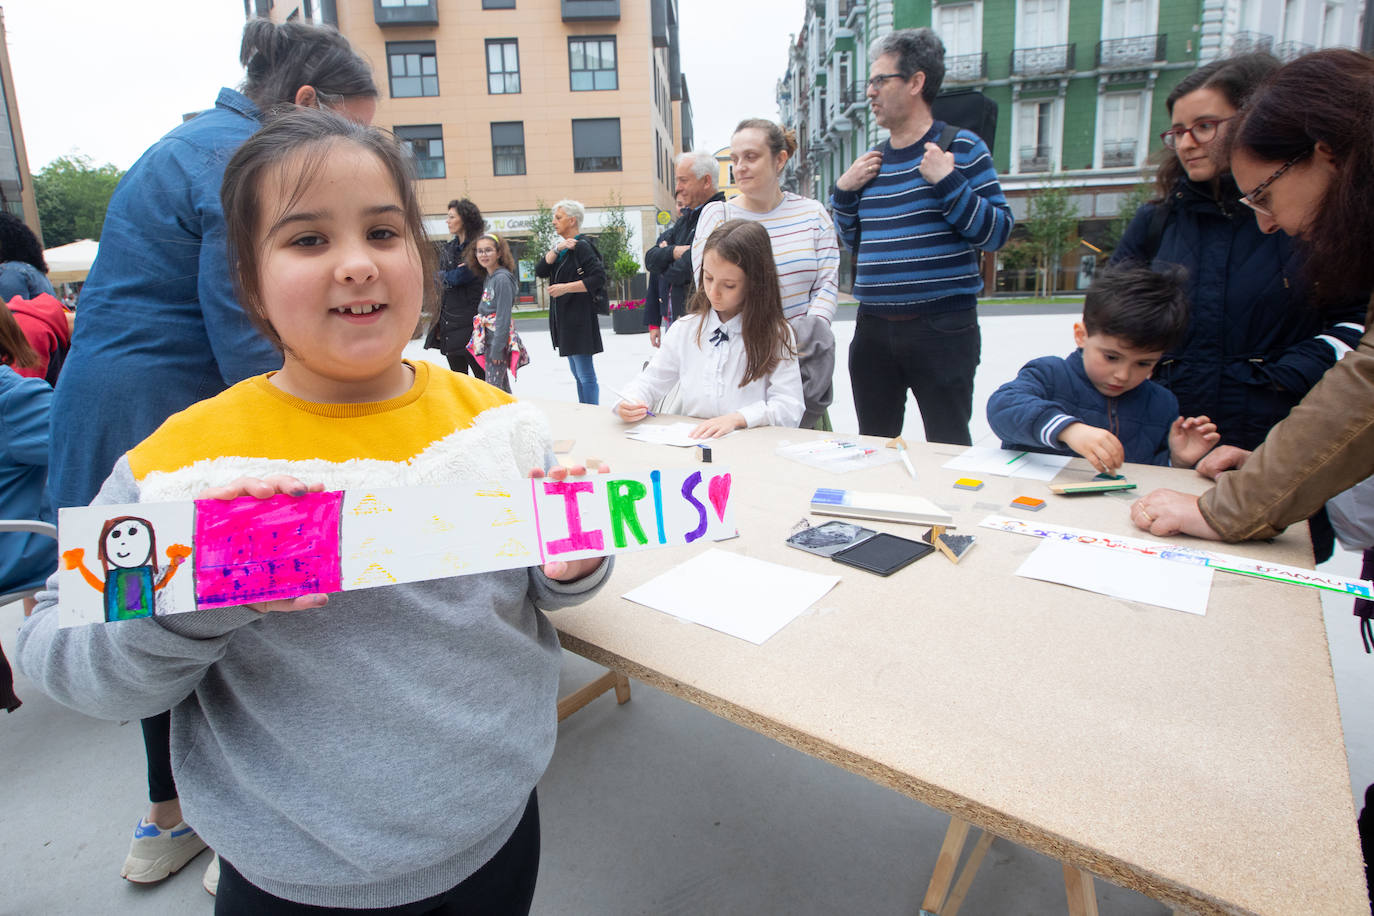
(767, 337)
(15, 349)
(1323, 97)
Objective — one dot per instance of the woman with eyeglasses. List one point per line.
(1254, 346)
(1302, 154)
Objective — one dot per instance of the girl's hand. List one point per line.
(632, 411)
(1165, 513)
(266, 488)
(719, 426)
(1190, 439)
(569, 570)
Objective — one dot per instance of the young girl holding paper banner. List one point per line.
(733, 356)
(385, 750)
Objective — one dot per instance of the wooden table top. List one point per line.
(1198, 760)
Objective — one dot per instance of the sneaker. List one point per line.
(157, 854)
(211, 880)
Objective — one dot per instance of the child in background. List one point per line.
(384, 750)
(1099, 402)
(733, 353)
(493, 339)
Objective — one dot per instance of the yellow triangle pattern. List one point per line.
(513, 548)
(370, 505)
(374, 575)
(507, 516)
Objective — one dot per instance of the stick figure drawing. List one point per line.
(128, 556)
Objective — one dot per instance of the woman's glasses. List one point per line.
(1203, 132)
(1252, 200)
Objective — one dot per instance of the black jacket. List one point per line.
(678, 272)
(1255, 343)
(452, 327)
(573, 322)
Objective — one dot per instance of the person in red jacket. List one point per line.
(48, 327)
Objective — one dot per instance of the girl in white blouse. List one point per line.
(733, 355)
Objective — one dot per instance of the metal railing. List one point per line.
(853, 96)
(1047, 59)
(1131, 52)
(1035, 159)
(1292, 50)
(1118, 153)
(1250, 42)
(964, 68)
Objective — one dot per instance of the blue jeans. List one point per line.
(588, 391)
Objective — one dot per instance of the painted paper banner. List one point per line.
(125, 562)
(1181, 553)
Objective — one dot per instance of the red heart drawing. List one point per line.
(719, 491)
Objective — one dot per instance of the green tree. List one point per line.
(1138, 195)
(72, 195)
(614, 245)
(542, 237)
(1051, 230)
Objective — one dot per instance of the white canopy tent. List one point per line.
(71, 262)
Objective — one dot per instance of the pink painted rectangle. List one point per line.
(250, 550)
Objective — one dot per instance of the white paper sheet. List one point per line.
(1000, 462)
(739, 596)
(1134, 577)
(665, 434)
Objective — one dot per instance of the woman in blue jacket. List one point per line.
(1254, 344)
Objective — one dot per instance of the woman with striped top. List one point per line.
(805, 250)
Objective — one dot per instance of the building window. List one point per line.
(596, 145)
(425, 143)
(503, 66)
(1119, 126)
(508, 147)
(498, 4)
(1040, 24)
(411, 66)
(591, 64)
(1035, 136)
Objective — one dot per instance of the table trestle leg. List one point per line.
(939, 901)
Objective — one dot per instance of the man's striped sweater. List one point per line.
(914, 241)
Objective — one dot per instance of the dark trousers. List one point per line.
(157, 745)
(463, 361)
(932, 356)
(502, 887)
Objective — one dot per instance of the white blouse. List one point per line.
(710, 375)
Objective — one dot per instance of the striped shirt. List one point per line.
(915, 241)
(804, 247)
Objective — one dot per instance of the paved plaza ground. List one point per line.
(654, 807)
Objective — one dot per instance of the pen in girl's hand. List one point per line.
(622, 397)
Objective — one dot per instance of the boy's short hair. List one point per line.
(1147, 309)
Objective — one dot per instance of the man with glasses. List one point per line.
(914, 211)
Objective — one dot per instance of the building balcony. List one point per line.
(1043, 60)
(966, 68)
(853, 97)
(591, 10)
(1035, 159)
(1118, 153)
(405, 12)
(1251, 42)
(1292, 50)
(856, 10)
(1131, 52)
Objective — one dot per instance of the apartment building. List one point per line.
(1080, 87)
(16, 186)
(514, 102)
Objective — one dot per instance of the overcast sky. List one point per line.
(106, 78)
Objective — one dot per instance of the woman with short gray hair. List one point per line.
(575, 274)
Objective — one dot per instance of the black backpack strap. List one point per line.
(1155, 233)
(947, 137)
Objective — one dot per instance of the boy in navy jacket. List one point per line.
(1099, 402)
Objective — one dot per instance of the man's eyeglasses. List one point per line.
(1203, 132)
(1252, 200)
(876, 82)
